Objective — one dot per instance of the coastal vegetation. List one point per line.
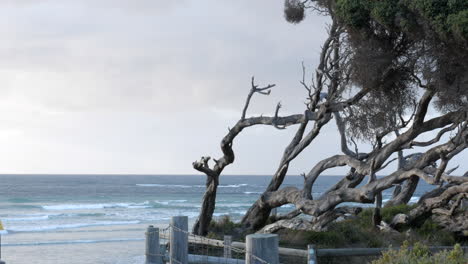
(420, 254)
(390, 75)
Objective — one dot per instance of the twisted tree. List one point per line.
(383, 67)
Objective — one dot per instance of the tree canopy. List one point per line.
(397, 47)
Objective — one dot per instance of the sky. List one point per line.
(149, 86)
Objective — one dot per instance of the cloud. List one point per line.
(146, 55)
(148, 86)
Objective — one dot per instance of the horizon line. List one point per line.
(135, 174)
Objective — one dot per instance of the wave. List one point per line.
(237, 212)
(252, 192)
(188, 186)
(41, 217)
(25, 219)
(95, 206)
(233, 205)
(163, 185)
(67, 242)
(68, 226)
(413, 200)
(168, 202)
(233, 185)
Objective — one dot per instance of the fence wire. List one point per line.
(205, 250)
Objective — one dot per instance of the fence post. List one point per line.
(261, 248)
(153, 255)
(179, 240)
(1, 228)
(311, 254)
(227, 246)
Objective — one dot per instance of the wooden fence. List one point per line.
(258, 249)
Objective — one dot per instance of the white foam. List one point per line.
(252, 192)
(168, 202)
(233, 205)
(414, 199)
(95, 206)
(188, 186)
(163, 185)
(68, 226)
(24, 219)
(233, 185)
(65, 242)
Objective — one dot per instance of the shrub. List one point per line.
(223, 226)
(420, 254)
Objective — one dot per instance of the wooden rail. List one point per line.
(260, 248)
(241, 245)
(321, 252)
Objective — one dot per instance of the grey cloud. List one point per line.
(79, 56)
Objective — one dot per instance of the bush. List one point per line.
(223, 226)
(420, 254)
(431, 231)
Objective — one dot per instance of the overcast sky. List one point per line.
(148, 86)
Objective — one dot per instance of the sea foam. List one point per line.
(43, 228)
(188, 186)
(66, 242)
(95, 206)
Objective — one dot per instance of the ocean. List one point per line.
(75, 219)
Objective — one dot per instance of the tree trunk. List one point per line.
(208, 206)
(256, 217)
(424, 210)
(407, 191)
(377, 217)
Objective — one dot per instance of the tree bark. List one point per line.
(208, 206)
(407, 191)
(426, 208)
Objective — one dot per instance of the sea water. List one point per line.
(102, 218)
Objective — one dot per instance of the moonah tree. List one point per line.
(384, 65)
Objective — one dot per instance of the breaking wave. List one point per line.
(58, 207)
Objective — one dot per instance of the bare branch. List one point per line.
(254, 89)
(434, 140)
(278, 107)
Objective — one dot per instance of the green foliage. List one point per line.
(389, 212)
(355, 13)
(420, 254)
(365, 217)
(223, 226)
(385, 11)
(458, 24)
(343, 234)
(447, 17)
(431, 231)
(359, 232)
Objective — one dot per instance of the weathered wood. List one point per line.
(153, 255)
(179, 240)
(274, 212)
(227, 246)
(311, 254)
(1, 262)
(240, 245)
(261, 249)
